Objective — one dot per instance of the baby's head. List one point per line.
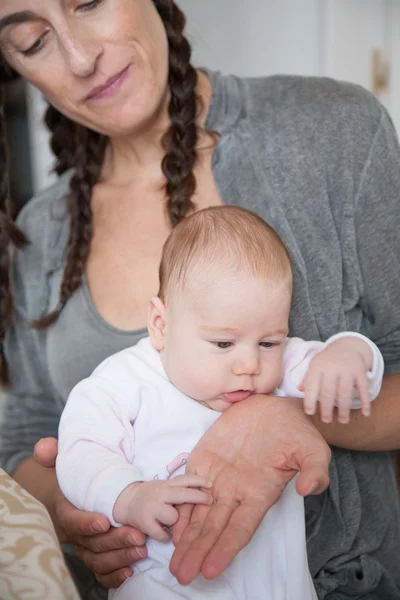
(220, 319)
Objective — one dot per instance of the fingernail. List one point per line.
(97, 526)
(142, 552)
(132, 540)
(313, 488)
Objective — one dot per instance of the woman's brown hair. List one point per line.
(78, 148)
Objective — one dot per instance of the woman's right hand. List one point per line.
(106, 550)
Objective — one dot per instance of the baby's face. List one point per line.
(228, 342)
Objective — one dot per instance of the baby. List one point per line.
(218, 332)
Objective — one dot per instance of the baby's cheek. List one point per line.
(275, 373)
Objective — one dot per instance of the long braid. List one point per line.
(63, 139)
(84, 149)
(9, 232)
(181, 139)
(81, 148)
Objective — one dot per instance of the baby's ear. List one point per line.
(156, 322)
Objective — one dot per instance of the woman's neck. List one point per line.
(143, 151)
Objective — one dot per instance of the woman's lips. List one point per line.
(237, 396)
(110, 88)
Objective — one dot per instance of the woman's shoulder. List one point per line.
(45, 221)
(302, 98)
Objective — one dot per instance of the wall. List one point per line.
(261, 37)
(256, 37)
(42, 159)
(354, 30)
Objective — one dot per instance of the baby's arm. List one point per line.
(96, 445)
(346, 372)
(96, 451)
(150, 505)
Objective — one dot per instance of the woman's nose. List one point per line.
(81, 52)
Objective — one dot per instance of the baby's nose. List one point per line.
(248, 364)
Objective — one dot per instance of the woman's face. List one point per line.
(102, 63)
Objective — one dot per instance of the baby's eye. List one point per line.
(223, 345)
(267, 344)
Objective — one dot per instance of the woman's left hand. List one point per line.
(250, 454)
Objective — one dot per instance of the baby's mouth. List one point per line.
(237, 396)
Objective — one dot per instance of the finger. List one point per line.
(199, 537)
(238, 533)
(75, 522)
(314, 475)
(344, 398)
(185, 512)
(311, 392)
(114, 539)
(327, 397)
(156, 531)
(107, 562)
(114, 579)
(167, 515)
(45, 452)
(184, 495)
(190, 481)
(365, 397)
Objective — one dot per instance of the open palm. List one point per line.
(250, 454)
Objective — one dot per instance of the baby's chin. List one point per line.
(217, 404)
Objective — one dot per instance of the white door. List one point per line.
(358, 44)
(256, 37)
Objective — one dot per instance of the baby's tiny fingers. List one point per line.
(344, 398)
(196, 481)
(157, 531)
(327, 398)
(311, 386)
(185, 495)
(363, 392)
(167, 515)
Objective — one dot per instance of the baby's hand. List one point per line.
(149, 505)
(333, 375)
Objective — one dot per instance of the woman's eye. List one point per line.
(90, 5)
(34, 48)
(223, 345)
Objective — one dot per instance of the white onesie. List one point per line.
(128, 423)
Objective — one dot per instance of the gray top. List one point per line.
(320, 161)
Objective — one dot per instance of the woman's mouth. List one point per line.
(109, 88)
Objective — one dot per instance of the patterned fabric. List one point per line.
(32, 566)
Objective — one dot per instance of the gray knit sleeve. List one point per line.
(377, 226)
(32, 409)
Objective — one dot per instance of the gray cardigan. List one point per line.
(320, 161)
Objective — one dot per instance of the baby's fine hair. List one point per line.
(228, 238)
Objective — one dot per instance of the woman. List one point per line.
(142, 139)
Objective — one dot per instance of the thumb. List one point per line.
(314, 474)
(45, 452)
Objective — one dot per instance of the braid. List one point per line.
(81, 148)
(9, 232)
(181, 139)
(63, 140)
